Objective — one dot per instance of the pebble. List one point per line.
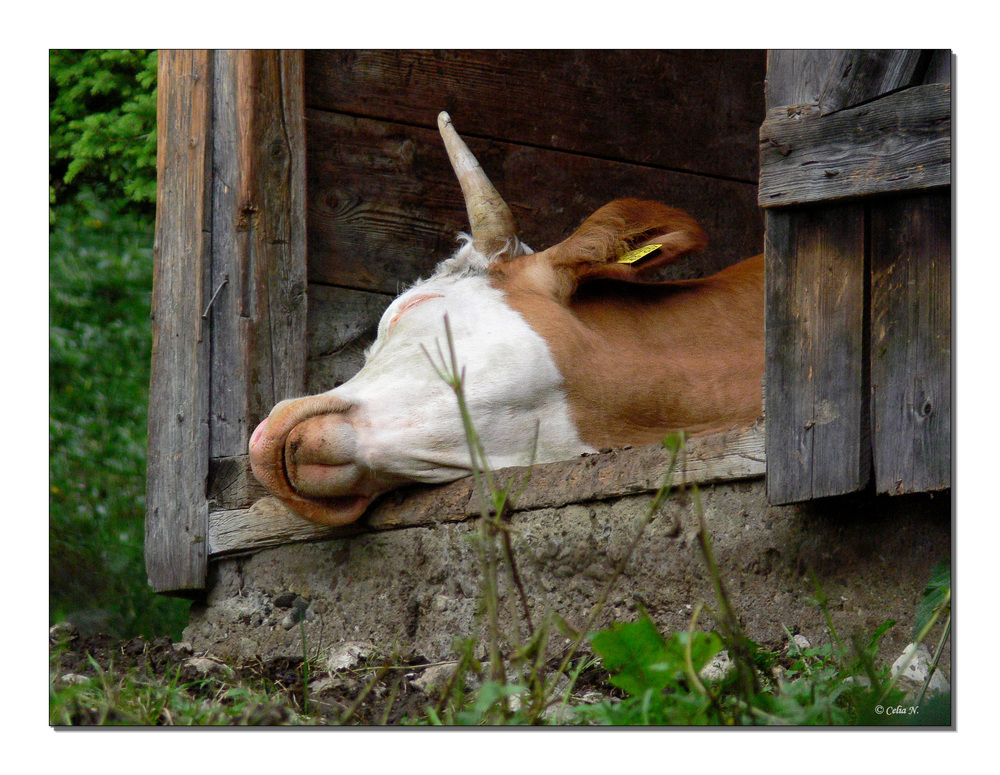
(63, 633)
(285, 600)
(717, 668)
(348, 654)
(433, 680)
(208, 665)
(915, 674)
(300, 611)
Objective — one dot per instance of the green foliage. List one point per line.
(639, 658)
(102, 186)
(131, 699)
(660, 675)
(935, 601)
(806, 687)
(489, 701)
(102, 125)
(100, 278)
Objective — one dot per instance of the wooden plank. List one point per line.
(258, 247)
(384, 206)
(899, 142)
(722, 457)
(911, 342)
(342, 325)
(685, 110)
(859, 76)
(816, 400)
(177, 463)
(938, 67)
(231, 483)
(798, 76)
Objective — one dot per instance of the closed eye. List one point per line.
(410, 303)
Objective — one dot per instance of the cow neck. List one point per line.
(640, 360)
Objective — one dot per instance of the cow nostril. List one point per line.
(257, 433)
(326, 439)
(320, 457)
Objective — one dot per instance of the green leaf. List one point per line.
(877, 636)
(936, 598)
(704, 646)
(629, 650)
(639, 659)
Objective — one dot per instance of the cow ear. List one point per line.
(626, 238)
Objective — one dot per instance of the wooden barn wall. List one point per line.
(560, 133)
(855, 176)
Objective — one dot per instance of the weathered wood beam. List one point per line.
(177, 461)
(680, 110)
(718, 457)
(258, 241)
(899, 142)
(816, 399)
(858, 76)
(384, 206)
(911, 342)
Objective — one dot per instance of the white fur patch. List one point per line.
(407, 419)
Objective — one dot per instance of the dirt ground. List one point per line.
(367, 694)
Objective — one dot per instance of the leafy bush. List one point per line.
(102, 125)
(100, 278)
(102, 179)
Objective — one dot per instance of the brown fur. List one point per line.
(643, 359)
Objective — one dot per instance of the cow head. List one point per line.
(515, 338)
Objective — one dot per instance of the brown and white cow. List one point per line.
(564, 351)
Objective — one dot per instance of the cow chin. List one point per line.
(333, 512)
(304, 453)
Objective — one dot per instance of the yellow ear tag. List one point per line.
(634, 255)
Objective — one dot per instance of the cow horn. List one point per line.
(494, 230)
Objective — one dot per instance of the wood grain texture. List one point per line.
(231, 483)
(342, 325)
(798, 76)
(688, 110)
(859, 76)
(899, 142)
(816, 397)
(729, 456)
(385, 207)
(938, 67)
(258, 242)
(911, 342)
(177, 463)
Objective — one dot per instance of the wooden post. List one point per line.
(177, 462)
(229, 302)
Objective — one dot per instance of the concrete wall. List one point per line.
(414, 590)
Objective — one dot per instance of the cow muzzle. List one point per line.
(305, 453)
